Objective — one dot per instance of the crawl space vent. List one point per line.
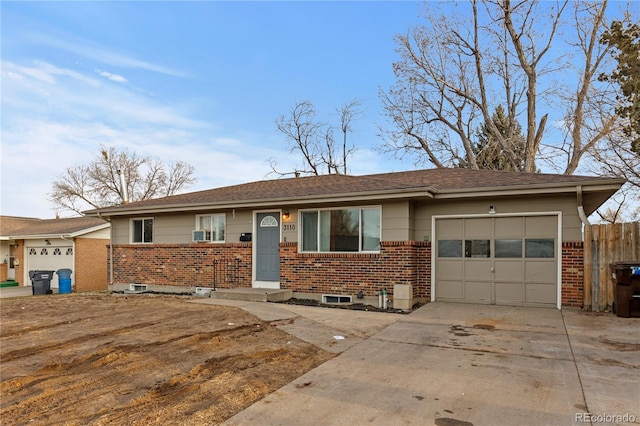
(334, 298)
(137, 287)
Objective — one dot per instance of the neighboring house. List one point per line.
(79, 243)
(451, 234)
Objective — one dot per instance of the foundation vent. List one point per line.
(204, 291)
(137, 287)
(335, 298)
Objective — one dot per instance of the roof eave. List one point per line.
(62, 235)
(531, 189)
(270, 202)
(90, 230)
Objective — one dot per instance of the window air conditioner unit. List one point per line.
(199, 236)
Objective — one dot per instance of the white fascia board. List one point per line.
(40, 236)
(269, 203)
(89, 230)
(524, 190)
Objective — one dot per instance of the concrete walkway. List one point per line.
(334, 330)
(456, 364)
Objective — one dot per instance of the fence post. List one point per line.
(587, 259)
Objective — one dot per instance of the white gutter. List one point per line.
(581, 213)
(108, 219)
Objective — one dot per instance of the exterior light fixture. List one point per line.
(492, 210)
(285, 214)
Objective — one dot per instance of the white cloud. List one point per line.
(113, 77)
(55, 118)
(96, 52)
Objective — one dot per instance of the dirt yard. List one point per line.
(103, 359)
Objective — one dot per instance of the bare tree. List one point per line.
(315, 141)
(455, 70)
(619, 159)
(590, 106)
(348, 112)
(98, 184)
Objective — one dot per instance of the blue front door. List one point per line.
(268, 247)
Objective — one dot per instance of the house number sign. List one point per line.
(289, 227)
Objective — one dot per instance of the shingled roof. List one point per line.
(428, 183)
(12, 226)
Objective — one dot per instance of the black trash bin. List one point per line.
(627, 289)
(41, 282)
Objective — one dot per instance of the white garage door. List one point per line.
(49, 258)
(510, 260)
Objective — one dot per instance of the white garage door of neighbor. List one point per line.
(507, 260)
(49, 258)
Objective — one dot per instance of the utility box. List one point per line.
(403, 296)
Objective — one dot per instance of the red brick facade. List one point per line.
(572, 273)
(184, 265)
(399, 262)
(229, 265)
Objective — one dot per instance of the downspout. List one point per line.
(73, 247)
(581, 213)
(110, 249)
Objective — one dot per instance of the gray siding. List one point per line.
(402, 220)
(571, 224)
(397, 221)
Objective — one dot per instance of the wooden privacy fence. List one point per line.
(603, 245)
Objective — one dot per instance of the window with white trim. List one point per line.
(352, 229)
(213, 225)
(142, 230)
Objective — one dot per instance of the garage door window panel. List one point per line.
(508, 249)
(543, 248)
(477, 248)
(450, 248)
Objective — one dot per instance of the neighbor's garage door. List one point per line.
(49, 258)
(497, 260)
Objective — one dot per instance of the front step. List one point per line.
(252, 294)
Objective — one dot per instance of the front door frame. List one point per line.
(254, 262)
(434, 244)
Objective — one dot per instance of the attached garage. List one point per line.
(48, 257)
(498, 259)
(78, 243)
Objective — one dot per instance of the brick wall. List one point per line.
(572, 273)
(186, 265)
(91, 268)
(399, 262)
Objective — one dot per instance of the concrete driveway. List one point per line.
(459, 364)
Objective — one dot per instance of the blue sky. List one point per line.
(202, 82)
